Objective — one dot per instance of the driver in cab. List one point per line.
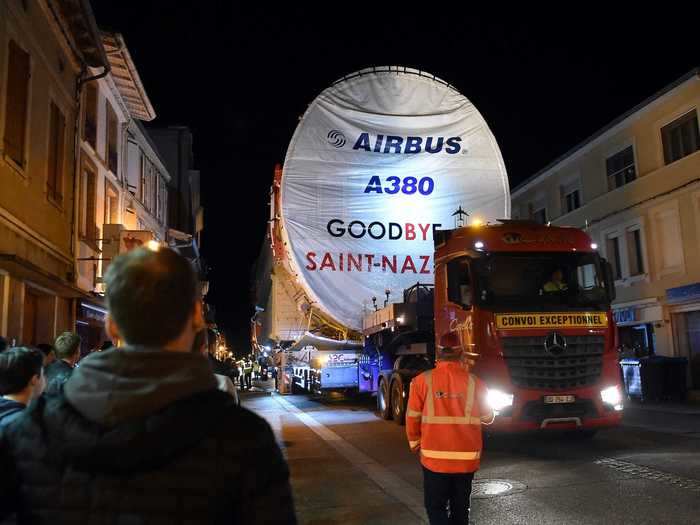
(556, 282)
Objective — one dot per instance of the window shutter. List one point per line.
(16, 103)
(56, 146)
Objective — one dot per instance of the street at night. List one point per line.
(349, 466)
(348, 264)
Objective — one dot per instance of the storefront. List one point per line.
(90, 324)
(35, 304)
(637, 323)
(684, 306)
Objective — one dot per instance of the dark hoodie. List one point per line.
(142, 435)
(9, 410)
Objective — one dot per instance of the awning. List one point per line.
(324, 343)
(126, 77)
(28, 271)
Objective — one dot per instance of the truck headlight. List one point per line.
(612, 396)
(498, 400)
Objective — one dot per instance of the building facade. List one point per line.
(45, 48)
(185, 213)
(635, 187)
(123, 200)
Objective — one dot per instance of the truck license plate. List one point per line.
(559, 399)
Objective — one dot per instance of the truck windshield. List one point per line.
(541, 280)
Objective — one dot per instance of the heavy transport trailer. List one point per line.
(548, 357)
(399, 344)
(360, 206)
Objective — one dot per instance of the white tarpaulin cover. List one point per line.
(378, 160)
(324, 344)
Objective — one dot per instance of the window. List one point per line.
(157, 190)
(612, 250)
(163, 201)
(570, 197)
(88, 199)
(634, 251)
(112, 131)
(620, 168)
(57, 130)
(587, 276)
(16, 103)
(111, 205)
(90, 125)
(540, 216)
(681, 137)
(459, 289)
(142, 178)
(149, 187)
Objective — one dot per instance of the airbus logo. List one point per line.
(555, 344)
(407, 145)
(336, 138)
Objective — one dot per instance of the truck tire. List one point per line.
(398, 401)
(383, 400)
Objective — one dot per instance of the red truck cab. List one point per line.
(531, 305)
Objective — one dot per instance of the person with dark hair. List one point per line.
(3, 343)
(141, 433)
(21, 381)
(48, 351)
(67, 351)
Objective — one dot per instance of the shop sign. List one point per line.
(132, 239)
(625, 315)
(683, 293)
(92, 313)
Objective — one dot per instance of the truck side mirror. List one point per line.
(609, 280)
(465, 292)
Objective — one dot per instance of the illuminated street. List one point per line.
(277, 266)
(348, 466)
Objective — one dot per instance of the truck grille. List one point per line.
(531, 366)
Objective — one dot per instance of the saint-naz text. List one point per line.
(373, 262)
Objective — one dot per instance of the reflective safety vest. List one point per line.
(446, 408)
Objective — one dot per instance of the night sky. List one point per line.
(241, 80)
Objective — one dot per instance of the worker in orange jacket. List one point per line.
(446, 408)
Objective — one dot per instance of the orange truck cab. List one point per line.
(531, 303)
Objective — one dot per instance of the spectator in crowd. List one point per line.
(67, 350)
(141, 434)
(232, 369)
(248, 373)
(202, 345)
(21, 381)
(48, 352)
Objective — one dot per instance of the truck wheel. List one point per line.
(383, 406)
(398, 402)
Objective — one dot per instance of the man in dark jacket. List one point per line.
(140, 433)
(67, 351)
(21, 381)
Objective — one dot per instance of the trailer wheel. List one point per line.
(383, 406)
(398, 401)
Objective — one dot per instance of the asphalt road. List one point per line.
(349, 466)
